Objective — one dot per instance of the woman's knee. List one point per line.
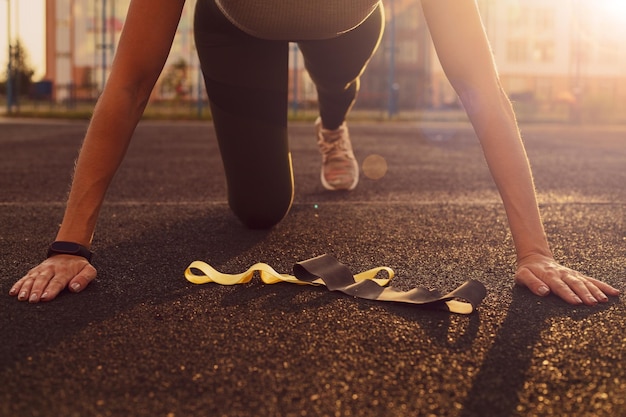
(263, 212)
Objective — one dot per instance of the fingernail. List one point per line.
(75, 286)
(592, 299)
(13, 291)
(44, 295)
(33, 297)
(22, 296)
(604, 298)
(577, 300)
(543, 290)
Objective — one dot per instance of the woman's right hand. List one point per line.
(45, 281)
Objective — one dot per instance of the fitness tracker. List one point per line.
(69, 248)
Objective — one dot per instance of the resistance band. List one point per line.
(327, 271)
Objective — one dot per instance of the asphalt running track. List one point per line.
(142, 341)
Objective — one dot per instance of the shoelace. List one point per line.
(327, 271)
(332, 142)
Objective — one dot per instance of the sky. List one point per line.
(28, 25)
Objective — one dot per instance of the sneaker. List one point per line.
(340, 170)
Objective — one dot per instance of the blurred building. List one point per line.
(548, 53)
(81, 37)
(560, 52)
(556, 53)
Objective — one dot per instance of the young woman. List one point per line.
(243, 50)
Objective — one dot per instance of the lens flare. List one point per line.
(374, 167)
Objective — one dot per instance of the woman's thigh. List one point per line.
(339, 61)
(246, 80)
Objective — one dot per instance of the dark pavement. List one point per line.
(142, 341)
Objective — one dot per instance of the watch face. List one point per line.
(66, 247)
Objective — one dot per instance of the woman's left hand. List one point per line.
(542, 274)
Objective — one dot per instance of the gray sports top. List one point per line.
(296, 19)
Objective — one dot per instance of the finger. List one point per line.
(571, 295)
(24, 290)
(526, 278)
(604, 287)
(600, 290)
(83, 278)
(23, 287)
(597, 293)
(54, 287)
(550, 281)
(41, 279)
(584, 288)
(15, 289)
(39, 283)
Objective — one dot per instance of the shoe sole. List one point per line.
(330, 187)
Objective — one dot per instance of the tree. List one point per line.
(21, 71)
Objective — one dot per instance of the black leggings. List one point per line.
(246, 80)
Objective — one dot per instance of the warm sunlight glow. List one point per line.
(27, 25)
(613, 9)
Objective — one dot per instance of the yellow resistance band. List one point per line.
(327, 271)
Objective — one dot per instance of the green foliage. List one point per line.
(21, 71)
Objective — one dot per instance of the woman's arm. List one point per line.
(142, 51)
(467, 60)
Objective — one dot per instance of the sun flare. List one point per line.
(613, 9)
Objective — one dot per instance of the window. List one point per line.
(543, 51)
(544, 20)
(517, 50)
(531, 31)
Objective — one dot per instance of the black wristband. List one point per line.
(69, 248)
